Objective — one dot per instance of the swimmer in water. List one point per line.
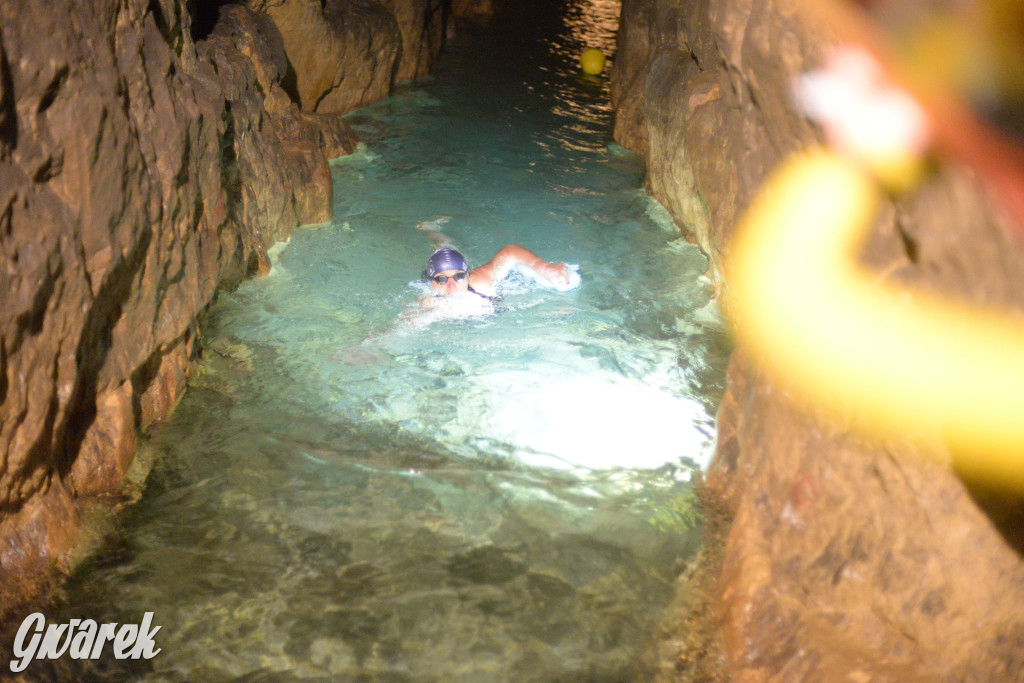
(449, 272)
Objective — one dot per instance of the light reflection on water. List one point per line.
(353, 489)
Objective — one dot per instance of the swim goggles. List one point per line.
(458, 277)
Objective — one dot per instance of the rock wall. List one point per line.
(842, 560)
(145, 165)
(346, 54)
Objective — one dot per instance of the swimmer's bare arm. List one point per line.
(512, 255)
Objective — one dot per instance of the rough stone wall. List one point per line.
(346, 54)
(422, 26)
(116, 231)
(699, 90)
(844, 560)
(141, 170)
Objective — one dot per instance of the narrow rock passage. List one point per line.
(356, 485)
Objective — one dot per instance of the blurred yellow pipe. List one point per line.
(896, 363)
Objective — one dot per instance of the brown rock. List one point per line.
(338, 138)
(274, 166)
(49, 520)
(421, 25)
(140, 172)
(844, 560)
(164, 376)
(110, 249)
(343, 54)
(108, 446)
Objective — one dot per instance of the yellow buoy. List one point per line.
(592, 61)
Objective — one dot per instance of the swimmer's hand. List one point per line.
(556, 274)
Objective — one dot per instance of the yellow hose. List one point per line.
(894, 362)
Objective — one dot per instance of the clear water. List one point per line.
(361, 486)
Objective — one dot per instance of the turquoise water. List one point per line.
(360, 485)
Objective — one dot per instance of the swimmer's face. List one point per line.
(450, 282)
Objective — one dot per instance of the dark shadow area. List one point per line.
(204, 16)
(1005, 509)
(290, 84)
(1007, 117)
(8, 113)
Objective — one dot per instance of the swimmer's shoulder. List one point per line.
(481, 282)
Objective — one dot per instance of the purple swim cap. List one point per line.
(446, 258)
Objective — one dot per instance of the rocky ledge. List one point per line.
(148, 159)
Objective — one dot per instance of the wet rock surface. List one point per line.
(116, 234)
(344, 55)
(146, 162)
(842, 560)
